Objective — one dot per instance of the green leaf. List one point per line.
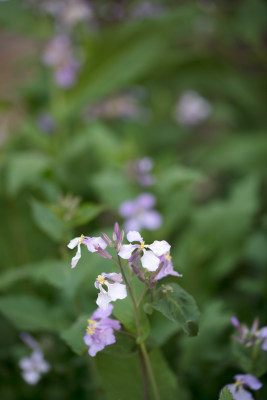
(32, 313)
(85, 213)
(226, 395)
(73, 336)
(25, 169)
(122, 377)
(47, 221)
(178, 306)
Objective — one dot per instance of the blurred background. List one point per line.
(101, 102)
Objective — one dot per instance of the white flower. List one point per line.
(192, 108)
(114, 289)
(150, 259)
(33, 367)
(92, 244)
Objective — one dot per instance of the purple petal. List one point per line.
(239, 393)
(94, 242)
(152, 220)
(235, 322)
(113, 276)
(146, 200)
(249, 380)
(127, 209)
(100, 314)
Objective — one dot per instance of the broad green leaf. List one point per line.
(226, 395)
(32, 313)
(73, 336)
(25, 169)
(178, 306)
(47, 221)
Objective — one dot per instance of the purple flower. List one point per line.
(192, 108)
(35, 365)
(100, 330)
(65, 75)
(150, 259)
(252, 336)
(94, 244)
(142, 169)
(238, 388)
(139, 213)
(165, 268)
(110, 288)
(46, 123)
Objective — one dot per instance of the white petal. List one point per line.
(103, 300)
(26, 363)
(94, 242)
(134, 236)
(73, 243)
(77, 257)
(126, 251)
(31, 377)
(150, 261)
(160, 247)
(117, 291)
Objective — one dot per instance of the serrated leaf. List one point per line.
(178, 306)
(226, 395)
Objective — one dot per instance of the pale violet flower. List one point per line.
(192, 108)
(250, 336)
(139, 213)
(93, 244)
(111, 289)
(100, 330)
(151, 252)
(244, 381)
(165, 267)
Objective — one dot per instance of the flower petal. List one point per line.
(249, 380)
(113, 276)
(150, 261)
(94, 242)
(31, 377)
(73, 243)
(100, 314)
(76, 258)
(103, 299)
(126, 251)
(134, 236)
(159, 247)
(117, 291)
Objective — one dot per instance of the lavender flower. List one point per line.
(142, 169)
(238, 388)
(165, 268)
(191, 108)
(100, 330)
(150, 259)
(93, 244)
(139, 213)
(252, 336)
(35, 365)
(114, 289)
(46, 123)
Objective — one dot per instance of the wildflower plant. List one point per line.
(139, 268)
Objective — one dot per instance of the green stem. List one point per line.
(143, 353)
(150, 371)
(142, 296)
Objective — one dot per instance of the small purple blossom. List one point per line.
(139, 213)
(252, 336)
(142, 169)
(93, 244)
(35, 365)
(150, 259)
(165, 268)
(238, 388)
(191, 108)
(110, 289)
(46, 123)
(100, 330)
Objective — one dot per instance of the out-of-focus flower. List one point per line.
(252, 336)
(140, 171)
(150, 259)
(165, 268)
(93, 244)
(192, 108)
(111, 289)
(100, 330)
(75, 11)
(58, 54)
(139, 213)
(238, 388)
(35, 365)
(46, 123)
(147, 9)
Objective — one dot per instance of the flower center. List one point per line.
(91, 326)
(101, 279)
(81, 239)
(168, 257)
(142, 246)
(238, 383)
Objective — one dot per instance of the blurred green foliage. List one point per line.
(210, 187)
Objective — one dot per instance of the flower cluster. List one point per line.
(252, 336)
(35, 365)
(150, 262)
(238, 389)
(139, 213)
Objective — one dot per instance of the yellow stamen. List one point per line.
(81, 239)
(91, 326)
(142, 245)
(168, 256)
(101, 279)
(239, 382)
